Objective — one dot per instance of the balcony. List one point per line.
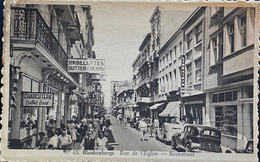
(143, 99)
(143, 62)
(30, 26)
(142, 82)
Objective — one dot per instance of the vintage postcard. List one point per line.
(130, 81)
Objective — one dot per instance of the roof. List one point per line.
(192, 17)
(147, 37)
(154, 12)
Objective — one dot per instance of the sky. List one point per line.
(119, 29)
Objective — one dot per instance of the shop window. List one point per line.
(225, 96)
(189, 74)
(231, 36)
(199, 32)
(198, 70)
(226, 119)
(243, 30)
(189, 40)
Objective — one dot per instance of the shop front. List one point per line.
(194, 109)
(233, 115)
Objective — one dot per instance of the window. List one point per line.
(158, 41)
(175, 54)
(199, 32)
(167, 59)
(231, 36)
(198, 71)
(163, 85)
(189, 73)
(220, 46)
(189, 40)
(243, 29)
(163, 62)
(153, 47)
(153, 32)
(214, 50)
(171, 56)
(180, 48)
(226, 119)
(225, 96)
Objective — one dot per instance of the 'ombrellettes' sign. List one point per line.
(37, 99)
(86, 65)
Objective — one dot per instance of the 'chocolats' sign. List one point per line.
(37, 99)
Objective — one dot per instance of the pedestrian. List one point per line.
(64, 140)
(73, 131)
(156, 125)
(102, 142)
(149, 128)
(53, 142)
(42, 142)
(88, 142)
(142, 128)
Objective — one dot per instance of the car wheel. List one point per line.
(188, 147)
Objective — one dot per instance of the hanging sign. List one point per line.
(86, 65)
(37, 99)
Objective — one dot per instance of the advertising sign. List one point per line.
(37, 99)
(86, 65)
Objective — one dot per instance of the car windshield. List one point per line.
(210, 133)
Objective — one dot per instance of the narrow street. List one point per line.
(130, 139)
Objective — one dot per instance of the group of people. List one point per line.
(147, 128)
(90, 132)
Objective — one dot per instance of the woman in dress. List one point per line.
(102, 142)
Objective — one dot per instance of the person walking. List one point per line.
(73, 132)
(102, 142)
(64, 140)
(156, 125)
(142, 128)
(88, 142)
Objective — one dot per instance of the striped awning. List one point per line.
(155, 106)
(172, 110)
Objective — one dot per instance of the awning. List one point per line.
(155, 106)
(172, 110)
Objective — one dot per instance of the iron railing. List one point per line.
(30, 25)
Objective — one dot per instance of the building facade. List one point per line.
(43, 37)
(229, 72)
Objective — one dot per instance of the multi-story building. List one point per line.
(43, 37)
(228, 69)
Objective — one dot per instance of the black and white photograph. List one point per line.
(144, 78)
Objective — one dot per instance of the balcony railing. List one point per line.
(29, 25)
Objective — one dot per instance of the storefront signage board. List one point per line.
(37, 99)
(96, 66)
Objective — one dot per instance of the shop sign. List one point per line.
(182, 71)
(86, 66)
(37, 99)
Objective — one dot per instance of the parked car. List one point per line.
(249, 149)
(197, 138)
(167, 131)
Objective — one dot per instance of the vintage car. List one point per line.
(167, 131)
(197, 138)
